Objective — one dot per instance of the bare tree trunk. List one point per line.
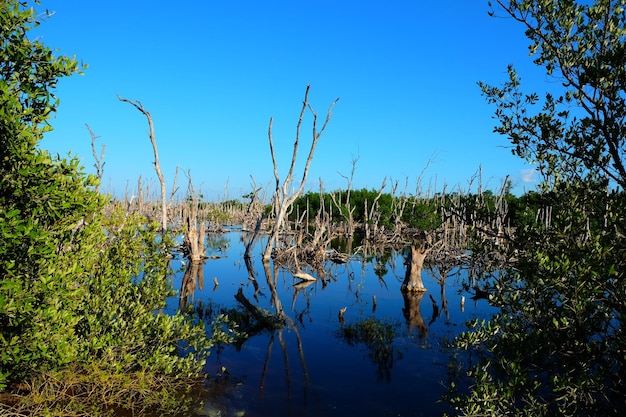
(99, 165)
(194, 234)
(415, 262)
(283, 200)
(137, 104)
(348, 214)
(174, 187)
(398, 206)
(371, 224)
(140, 195)
(254, 211)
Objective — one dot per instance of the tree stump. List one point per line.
(194, 236)
(415, 262)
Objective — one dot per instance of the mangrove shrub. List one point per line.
(80, 291)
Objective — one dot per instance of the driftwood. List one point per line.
(304, 276)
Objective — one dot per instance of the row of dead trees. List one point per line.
(305, 241)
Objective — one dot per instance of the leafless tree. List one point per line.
(137, 104)
(195, 231)
(347, 212)
(99, 164)
(371, 221)
(283, 199)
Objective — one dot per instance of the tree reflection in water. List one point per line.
(301, 367)
(192, 279)
(378, 337)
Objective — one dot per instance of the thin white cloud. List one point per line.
(529, 175)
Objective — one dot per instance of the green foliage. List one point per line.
(557, 346)
(43, 202)
(80, 292)
(420, 213)
(581, 44)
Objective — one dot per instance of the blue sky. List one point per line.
(212, 73)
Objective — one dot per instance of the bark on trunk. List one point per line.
(157, 166)
(415, 262)
(194, 235)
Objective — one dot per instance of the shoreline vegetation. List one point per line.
(84, 276)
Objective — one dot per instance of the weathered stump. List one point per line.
(194, 236)
(414, 263)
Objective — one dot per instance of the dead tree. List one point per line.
(371, 222)
(99, 164)
(398, 205)
(137, 104)
(345, 208)
(414, 263)
(174, 187)
(282, 199)
(322, 234)
(252, 220)
(195, 231)
(254, 210)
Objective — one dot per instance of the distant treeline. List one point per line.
(428, 213)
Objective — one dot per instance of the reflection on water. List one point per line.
(382, 359)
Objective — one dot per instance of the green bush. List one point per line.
(557, 346)
(80, 291)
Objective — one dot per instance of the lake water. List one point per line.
(310, 367)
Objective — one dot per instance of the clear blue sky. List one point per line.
(212, 73)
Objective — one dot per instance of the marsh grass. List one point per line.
(97, 392)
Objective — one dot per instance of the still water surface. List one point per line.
(307, 368)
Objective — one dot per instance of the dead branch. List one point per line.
(99, 164)
(137, 104)
(283, 200)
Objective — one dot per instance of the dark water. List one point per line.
(307, 368)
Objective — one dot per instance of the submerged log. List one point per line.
(338, 258)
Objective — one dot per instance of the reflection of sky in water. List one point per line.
(334, 379)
